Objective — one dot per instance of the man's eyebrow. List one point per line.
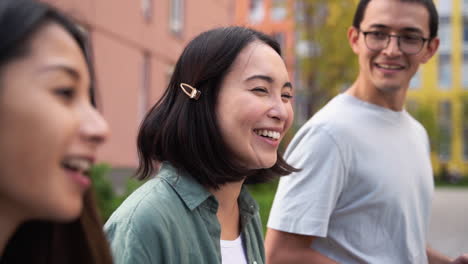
(267, 79)
(379, 26)
(60, 67)
(406, 29)
(412, 29)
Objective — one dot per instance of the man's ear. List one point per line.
(353, 37)
(431, 49)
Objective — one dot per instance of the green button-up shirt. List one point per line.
(172, 219)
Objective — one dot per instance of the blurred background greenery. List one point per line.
(108, 200)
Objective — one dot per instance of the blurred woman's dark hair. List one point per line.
(78, 241)
(185, 132)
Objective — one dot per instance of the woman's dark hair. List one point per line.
(428, 4)
(186, 132)
(20, 19)
(46, 242)
(79, 241)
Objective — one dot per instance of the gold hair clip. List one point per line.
(194, 94)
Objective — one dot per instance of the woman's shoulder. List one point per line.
(145, 220)
(154, 202)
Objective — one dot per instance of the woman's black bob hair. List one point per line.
(185, 132)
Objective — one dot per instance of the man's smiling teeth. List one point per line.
(77, 164)
(268, 133)
(390, 67)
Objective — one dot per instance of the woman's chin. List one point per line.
(266, 164)
(65, 214)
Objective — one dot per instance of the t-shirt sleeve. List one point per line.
(306, 199)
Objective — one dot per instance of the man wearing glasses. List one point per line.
(365, 189)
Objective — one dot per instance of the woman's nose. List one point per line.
(93, 126)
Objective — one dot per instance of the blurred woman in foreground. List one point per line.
(49, 134)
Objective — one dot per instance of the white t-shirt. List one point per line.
(232, 251)
(366, 184)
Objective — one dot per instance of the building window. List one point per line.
(415, 82)
(445, 7)
(465, 46)
(256, 11)
(465, 71)
(176, 18)
(147, 9)
(299, 10)
(465, 127)
(445, 71)
(145, 85)
(278, 10)
(445, 34)
(465, 31)
(445, 130)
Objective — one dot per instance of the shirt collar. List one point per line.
(190, 191)
(247, 203)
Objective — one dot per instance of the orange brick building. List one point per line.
(274, 17)
(136, 44)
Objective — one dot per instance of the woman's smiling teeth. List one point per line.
(268, 133)
(77, 164)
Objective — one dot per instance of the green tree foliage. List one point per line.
(424, 113)
(107, 199)
(329, 65)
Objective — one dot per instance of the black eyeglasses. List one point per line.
(408, 44)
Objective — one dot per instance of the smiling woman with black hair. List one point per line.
(217, 127)
(49, 134)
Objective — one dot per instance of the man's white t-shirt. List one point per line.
(366, 184)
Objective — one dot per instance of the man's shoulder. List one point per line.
(334, 118)
(336, 112)
(416, 124)
(331, 128)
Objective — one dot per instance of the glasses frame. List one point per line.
(389, 37)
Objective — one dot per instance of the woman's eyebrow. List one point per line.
(261, 77)
(63, 68)
(268, 79)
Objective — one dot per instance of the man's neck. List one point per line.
(393, 100)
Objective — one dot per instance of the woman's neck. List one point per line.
(228, 209)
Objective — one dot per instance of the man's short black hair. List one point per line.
(429, 4)
(186, 132)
